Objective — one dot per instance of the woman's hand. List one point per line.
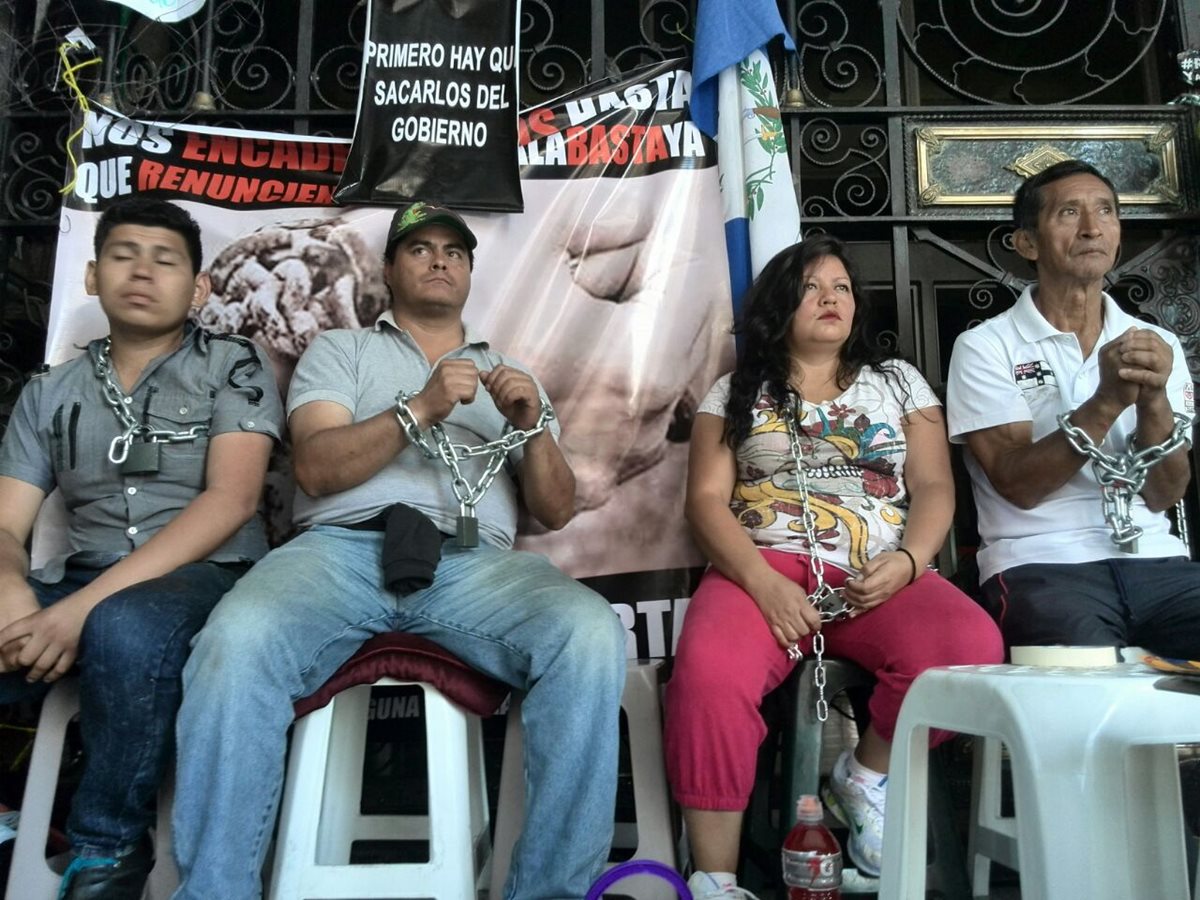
(785, 607)
(879, 578)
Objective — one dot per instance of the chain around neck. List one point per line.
(119, 402)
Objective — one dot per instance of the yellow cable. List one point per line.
(68, 77)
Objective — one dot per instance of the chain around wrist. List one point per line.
(408, 421)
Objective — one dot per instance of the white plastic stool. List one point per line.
(642, 704)
(1095, 777)
(992, 836)
(30, 876)
(321, 818)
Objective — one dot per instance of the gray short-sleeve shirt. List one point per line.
(61, 429)
(364, 370)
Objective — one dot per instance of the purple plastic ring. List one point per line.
(639, 867)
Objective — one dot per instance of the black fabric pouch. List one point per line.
(412, 549)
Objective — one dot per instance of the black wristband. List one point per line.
(912, 560)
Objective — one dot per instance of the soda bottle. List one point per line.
(812, 857)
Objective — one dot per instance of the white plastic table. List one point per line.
(1094, 768)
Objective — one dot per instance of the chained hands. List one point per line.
(1146, 360)
(1113, 386)
(1134, 368)
(453, 381)
(515, 395)
(785, 607)
(879, 578)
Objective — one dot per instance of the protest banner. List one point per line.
(612, 286)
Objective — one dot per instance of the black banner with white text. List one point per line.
(437, 107)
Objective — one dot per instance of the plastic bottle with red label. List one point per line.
(812, 857)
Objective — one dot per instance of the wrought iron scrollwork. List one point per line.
(549, 67)
(834, 64)
(1002, 250)
(1012, 51)
(663, 26)
(854, 160)
(153, 66)
(888, 339)
(247, 71)
(989, 296)
(556, 56)
(1163, 284)
(337, 69)
(34, 168)
(10, 378)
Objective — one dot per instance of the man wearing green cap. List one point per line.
(368, 409)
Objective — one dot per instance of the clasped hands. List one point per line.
(1134, 367)
(455, 381)
(44, 641)
(790, 615)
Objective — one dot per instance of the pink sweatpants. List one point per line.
(727, 661)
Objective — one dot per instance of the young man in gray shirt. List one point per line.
(158, 437)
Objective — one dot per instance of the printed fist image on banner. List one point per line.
(611, 286)
(286, 282)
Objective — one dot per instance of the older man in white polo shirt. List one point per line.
(1050, 563)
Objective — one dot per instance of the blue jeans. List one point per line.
(306, 607)
(131, 654)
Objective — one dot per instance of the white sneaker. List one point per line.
(704, 887)
(858, 802)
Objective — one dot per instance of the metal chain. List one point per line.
(1122, 476)
(450, 453)
(826, 600)
(119, 403)
(818, 644)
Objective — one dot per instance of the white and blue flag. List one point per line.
(734, 100)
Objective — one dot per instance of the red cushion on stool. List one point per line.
(410, 658)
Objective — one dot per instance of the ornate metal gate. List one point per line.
(909, 123)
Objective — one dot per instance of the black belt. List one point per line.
(378, 522)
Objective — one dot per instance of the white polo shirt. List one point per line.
(1017, 367)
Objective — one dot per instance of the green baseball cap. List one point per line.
(418, 214)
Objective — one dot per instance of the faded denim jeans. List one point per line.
(131, 655)
(307, 606)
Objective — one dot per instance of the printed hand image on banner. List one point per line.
(612, 287)
(437, 106)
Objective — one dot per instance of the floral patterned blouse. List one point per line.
(853, 450)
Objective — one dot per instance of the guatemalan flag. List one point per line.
(734, 100)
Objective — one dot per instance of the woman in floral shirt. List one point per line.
(810, 391)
